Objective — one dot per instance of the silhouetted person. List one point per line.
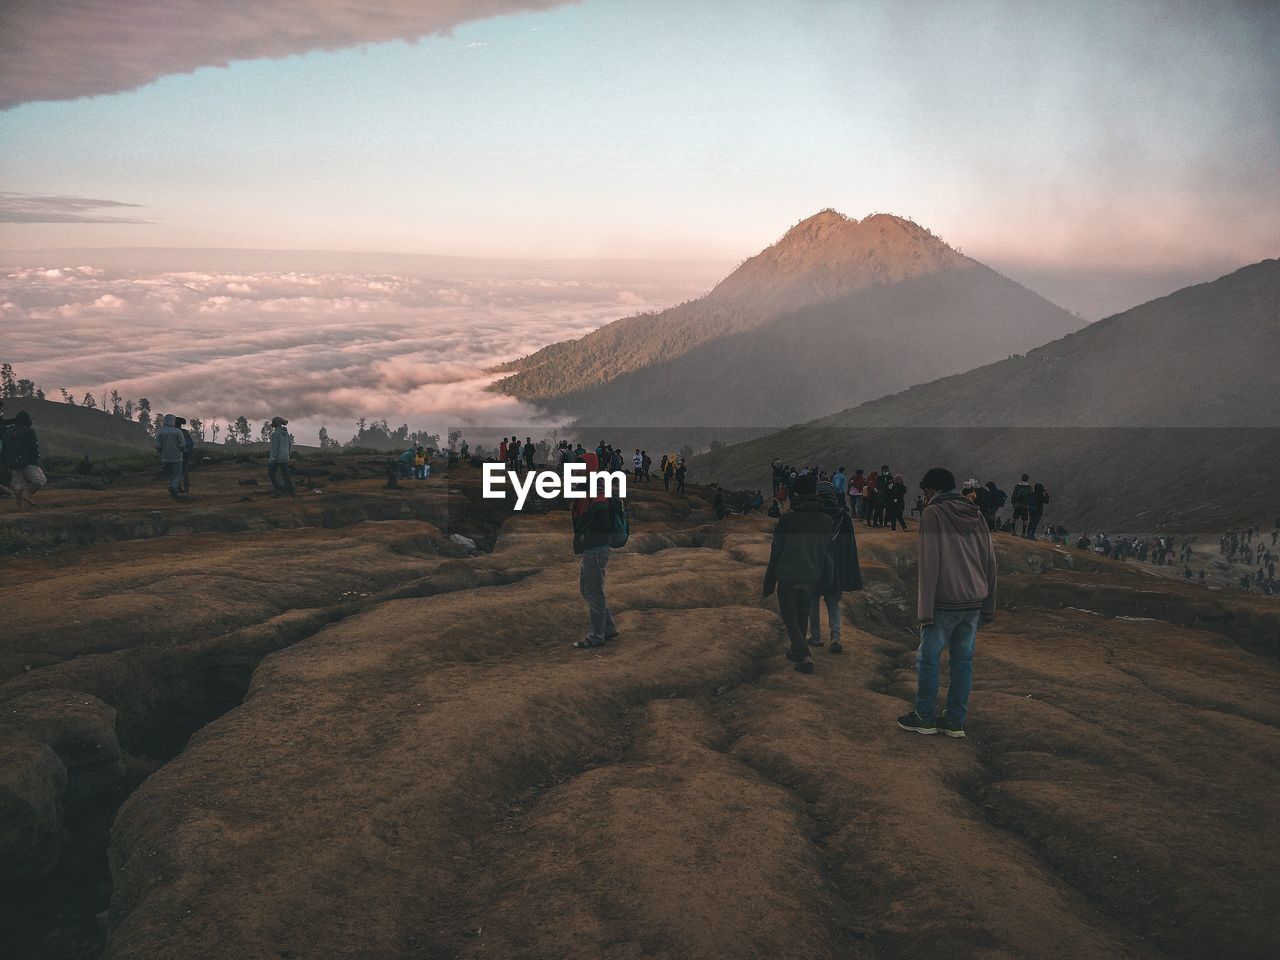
(798, 566)
(188, 453)
(172, 446)
(593, 527)
(278, 460)
(21, 456)
(1035, 509)
(844, 573)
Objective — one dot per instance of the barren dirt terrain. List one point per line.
(321, 728)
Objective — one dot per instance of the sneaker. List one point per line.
(918, 724)
(951, 728)
(835, 647)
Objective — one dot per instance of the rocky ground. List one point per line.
(324, 728)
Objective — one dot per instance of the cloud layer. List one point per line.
(78, 48)
(319, 348)
(37, 208)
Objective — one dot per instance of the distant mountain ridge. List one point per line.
(1164, 416)
(837, 311)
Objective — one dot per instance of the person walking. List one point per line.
(681, 470)
(278, 460)
(799, 563)
(668, 471)
(956, 590)
(21, 456)
(593, 525)
(843, 572)
(188, 453)
(172, 446)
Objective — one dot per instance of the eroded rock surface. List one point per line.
(403, 756)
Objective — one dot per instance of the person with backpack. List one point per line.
(956, 589)
(171, 445)
(1021, 499)
(843, 573)
(799, 566)
(20, 455)
(278, 460)
(995, 500)
(188, 453)
(599, 525)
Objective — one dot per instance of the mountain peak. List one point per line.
(829, 254)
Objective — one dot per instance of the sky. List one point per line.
(1102, 152)
(1118, 134)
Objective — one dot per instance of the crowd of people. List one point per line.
(1238, 546)
(879, 498)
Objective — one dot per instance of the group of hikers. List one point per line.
(1238, 547)
(878, 498)
(176, 446)
(813, 561)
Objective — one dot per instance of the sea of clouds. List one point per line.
(317, 348)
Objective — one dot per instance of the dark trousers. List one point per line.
(1033, 523)
(794, 603)
(285, 481)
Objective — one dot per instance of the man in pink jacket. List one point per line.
(957, 589)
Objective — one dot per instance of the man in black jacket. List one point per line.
(798, 565)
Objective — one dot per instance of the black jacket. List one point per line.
(801, 551)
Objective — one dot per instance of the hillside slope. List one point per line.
(67, 431)
(1121, 419)
(849, 308)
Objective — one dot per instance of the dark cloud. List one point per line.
(35, 208)
(63, 49)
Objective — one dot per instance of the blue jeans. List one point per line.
(174, 472)
(833, 616)
(591, 585)
(958, 630)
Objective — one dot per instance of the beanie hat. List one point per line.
(938, 478)
(805, 484)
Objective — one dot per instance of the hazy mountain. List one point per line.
(1163, 414)
(836, 312)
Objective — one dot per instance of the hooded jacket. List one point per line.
(846, 572)
(957, 558)
(281, 444)
(170, 441)
(801, 551)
